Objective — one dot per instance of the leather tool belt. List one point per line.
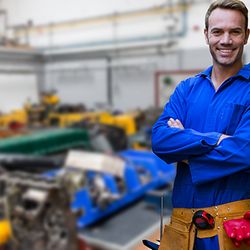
(180, 233)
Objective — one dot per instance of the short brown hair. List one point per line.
(230, 5)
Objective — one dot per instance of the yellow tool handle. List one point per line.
(5, 231)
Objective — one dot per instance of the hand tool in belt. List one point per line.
(239, 230)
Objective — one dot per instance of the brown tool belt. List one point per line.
(181, 232)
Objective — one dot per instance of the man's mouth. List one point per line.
(226, 51)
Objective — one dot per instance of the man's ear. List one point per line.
(206, 35)
(247, 35)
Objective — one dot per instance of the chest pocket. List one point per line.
(231, 116)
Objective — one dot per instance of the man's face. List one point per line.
(226, 37)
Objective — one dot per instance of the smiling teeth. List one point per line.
(226, 50)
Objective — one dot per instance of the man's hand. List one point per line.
(172, 123)
(175, 123)
(239, 230)
(222, 137)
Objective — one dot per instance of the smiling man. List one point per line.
(205, 128)
(226, 34)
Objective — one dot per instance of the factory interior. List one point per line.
(81, 85)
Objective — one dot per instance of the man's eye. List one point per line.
(236, 32)
(216, 32)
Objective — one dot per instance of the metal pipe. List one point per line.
(46, 28)
(5, 21)
(127, 41)
(109, 83)
(161, 220)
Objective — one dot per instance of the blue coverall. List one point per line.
(215, 174)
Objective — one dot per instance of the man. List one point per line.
(205, 128)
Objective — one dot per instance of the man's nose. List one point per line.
(226, 39)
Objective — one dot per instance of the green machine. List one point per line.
(46, 142)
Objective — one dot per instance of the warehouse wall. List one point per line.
(15, 90)
(131, 81)
(19, 73)
(78, 81)
(121, 77)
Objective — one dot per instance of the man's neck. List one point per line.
(221, 73)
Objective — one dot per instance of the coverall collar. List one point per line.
(244, 72)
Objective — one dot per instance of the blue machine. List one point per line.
(143, 172)
(95, 193)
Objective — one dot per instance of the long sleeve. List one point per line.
(230, 157)
(173, 144)
(215, 174)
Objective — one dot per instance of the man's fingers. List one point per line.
(179, 124)
(170, 123)
(175, 123)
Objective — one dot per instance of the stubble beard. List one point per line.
(234, 60)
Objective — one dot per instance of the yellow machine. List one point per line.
(5, 232)
(64, 120)
(126, 121)
(66, 115)
(49, 98)
(38, 113)
(15, 117)
(123, 121)
(31, 113)
(130, 121)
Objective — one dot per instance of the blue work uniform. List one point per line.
(214, 174)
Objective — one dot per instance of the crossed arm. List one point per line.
(238, 230)
(176, 123)
(211, 155)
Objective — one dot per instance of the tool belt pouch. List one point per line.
(177, 235)
(224, 241)
(180, 233)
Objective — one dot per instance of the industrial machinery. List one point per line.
(101, 184)
(46, 142)
(32, 113)
(41, 197)
(133, 128)
(84, 135)
(38, 213)
(64, 115)
(106, 183)
(14, 119)
(9, 132)
(98, 184)
(130, 122)
(104, 138)
(37, 113)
